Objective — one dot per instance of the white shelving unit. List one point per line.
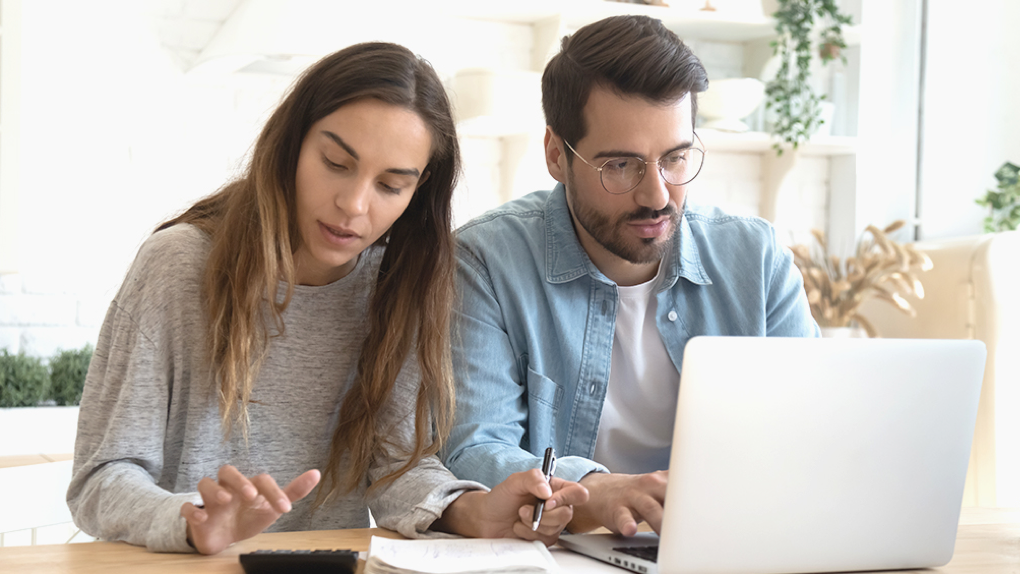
(738, 22)
(760, 142)
(685, 17)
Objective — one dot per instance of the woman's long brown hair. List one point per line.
(254, 235)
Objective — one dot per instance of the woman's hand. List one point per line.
(506, 511)
(236, 508)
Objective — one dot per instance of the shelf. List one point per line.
(760, 142)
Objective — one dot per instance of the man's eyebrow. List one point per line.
(624, 153)
(414, 172)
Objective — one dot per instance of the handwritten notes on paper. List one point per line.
(458, 556)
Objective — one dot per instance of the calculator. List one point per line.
(305, 561)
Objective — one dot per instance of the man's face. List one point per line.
(635, 227)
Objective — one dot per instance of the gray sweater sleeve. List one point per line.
(121, 431)
(418, 497)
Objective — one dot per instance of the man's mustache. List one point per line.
(646, 213)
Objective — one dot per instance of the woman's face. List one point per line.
(357, 171)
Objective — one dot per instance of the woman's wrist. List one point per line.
(187, 530)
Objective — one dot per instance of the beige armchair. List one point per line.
(973, 292)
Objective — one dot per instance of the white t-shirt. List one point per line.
(636, 428)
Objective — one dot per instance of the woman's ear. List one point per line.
(555, 158)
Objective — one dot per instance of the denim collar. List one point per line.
(566, 259)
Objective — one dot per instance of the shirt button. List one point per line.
(672, 315)
(592, 389)
(605, 308)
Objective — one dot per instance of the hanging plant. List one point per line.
(1003, 203)
(790, 95)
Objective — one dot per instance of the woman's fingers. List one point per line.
(212, 493)
(232, 479)
(302, 485)
(193, 514)
(230, 485)
(272, 492)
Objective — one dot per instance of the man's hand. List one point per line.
(620, 501)
(236, 508)
(506, 511)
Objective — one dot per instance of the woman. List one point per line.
(298, 319)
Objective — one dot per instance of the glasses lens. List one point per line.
(681, 167)
(622, 174)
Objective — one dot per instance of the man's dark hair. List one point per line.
(631, 55)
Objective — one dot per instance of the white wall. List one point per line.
(971, 118)
(878, 185)
(116, 137)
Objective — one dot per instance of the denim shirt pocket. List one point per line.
(543, 393)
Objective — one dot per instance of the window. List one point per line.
(10, 63)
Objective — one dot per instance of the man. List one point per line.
(575, 304)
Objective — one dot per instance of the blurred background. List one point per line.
(117, 114)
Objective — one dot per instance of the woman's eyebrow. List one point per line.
(340, 142)
(408, 171)
(411, 171)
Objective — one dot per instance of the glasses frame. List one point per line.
(658, 165)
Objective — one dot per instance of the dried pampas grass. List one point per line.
(880, 268)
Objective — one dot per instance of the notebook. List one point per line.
(812, 455)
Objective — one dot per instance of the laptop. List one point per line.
(812, 455)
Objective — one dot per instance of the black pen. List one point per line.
(548, 468)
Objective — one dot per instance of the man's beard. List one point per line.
(609, 234)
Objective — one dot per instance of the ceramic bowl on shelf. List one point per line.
(728, 101)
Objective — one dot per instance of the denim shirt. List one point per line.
(534, 323)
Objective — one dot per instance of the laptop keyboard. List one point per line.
(650, 553)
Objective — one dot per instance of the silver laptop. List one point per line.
(812, 455)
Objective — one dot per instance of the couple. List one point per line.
(302, 318)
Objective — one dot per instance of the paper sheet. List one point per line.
(458, 555)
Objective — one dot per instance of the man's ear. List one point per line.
(555, 156)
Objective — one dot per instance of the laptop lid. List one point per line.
(819, 455)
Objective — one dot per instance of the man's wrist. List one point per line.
(592, 476)
(460, 516)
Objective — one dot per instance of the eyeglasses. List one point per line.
(622, 174)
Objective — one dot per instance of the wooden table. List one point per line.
(988, 542)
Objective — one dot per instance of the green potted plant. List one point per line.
(789, 95)
(24, 380)
(38, 401)
(67, 375)
(1003, 202)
